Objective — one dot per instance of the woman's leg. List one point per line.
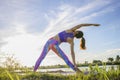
(60, 53)
(54, 49)
(42, 56)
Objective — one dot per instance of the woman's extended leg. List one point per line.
(57, 50)
(42, 56)
(54, 49)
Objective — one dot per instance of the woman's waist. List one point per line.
(56, 38)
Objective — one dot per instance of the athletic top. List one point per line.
(64, 35)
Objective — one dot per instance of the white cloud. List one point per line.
(82, 57)
(23, 45)
(4, 33)
(68, 16)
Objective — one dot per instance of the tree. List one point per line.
(97, 61)
(86, 62)
(117, 58)
(110, 59)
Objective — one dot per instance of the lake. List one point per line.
(70, 70)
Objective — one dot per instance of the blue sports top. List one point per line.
(64, 35)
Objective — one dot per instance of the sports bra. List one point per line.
(64, 35)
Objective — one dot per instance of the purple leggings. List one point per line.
(54, 45)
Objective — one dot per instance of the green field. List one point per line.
(95, 73)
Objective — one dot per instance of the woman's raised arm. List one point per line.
(83, 25)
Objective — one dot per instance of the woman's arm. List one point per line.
(73, 54)
(81, 25)
(72, 51)
(73, 57)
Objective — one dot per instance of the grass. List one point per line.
(95, 73)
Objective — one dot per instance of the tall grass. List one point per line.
(10, 76)
(7, 75)
(94, 73)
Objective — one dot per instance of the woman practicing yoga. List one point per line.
(64, 36)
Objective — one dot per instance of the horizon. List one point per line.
(27, 25)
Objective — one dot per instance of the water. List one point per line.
(70, 70)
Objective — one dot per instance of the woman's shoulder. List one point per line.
(69, 31)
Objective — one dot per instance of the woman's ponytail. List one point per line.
(82, 44)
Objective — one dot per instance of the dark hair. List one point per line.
(79, 34)
(82, 44)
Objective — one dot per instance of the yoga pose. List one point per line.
(64, 36)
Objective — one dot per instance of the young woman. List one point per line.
(64, 36)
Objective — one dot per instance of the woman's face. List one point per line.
(76, 32)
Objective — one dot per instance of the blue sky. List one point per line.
(25, 26)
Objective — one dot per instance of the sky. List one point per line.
(25, 26)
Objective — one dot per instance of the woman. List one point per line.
(64, 36)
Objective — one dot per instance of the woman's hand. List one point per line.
(78, 70)
(96, 24)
